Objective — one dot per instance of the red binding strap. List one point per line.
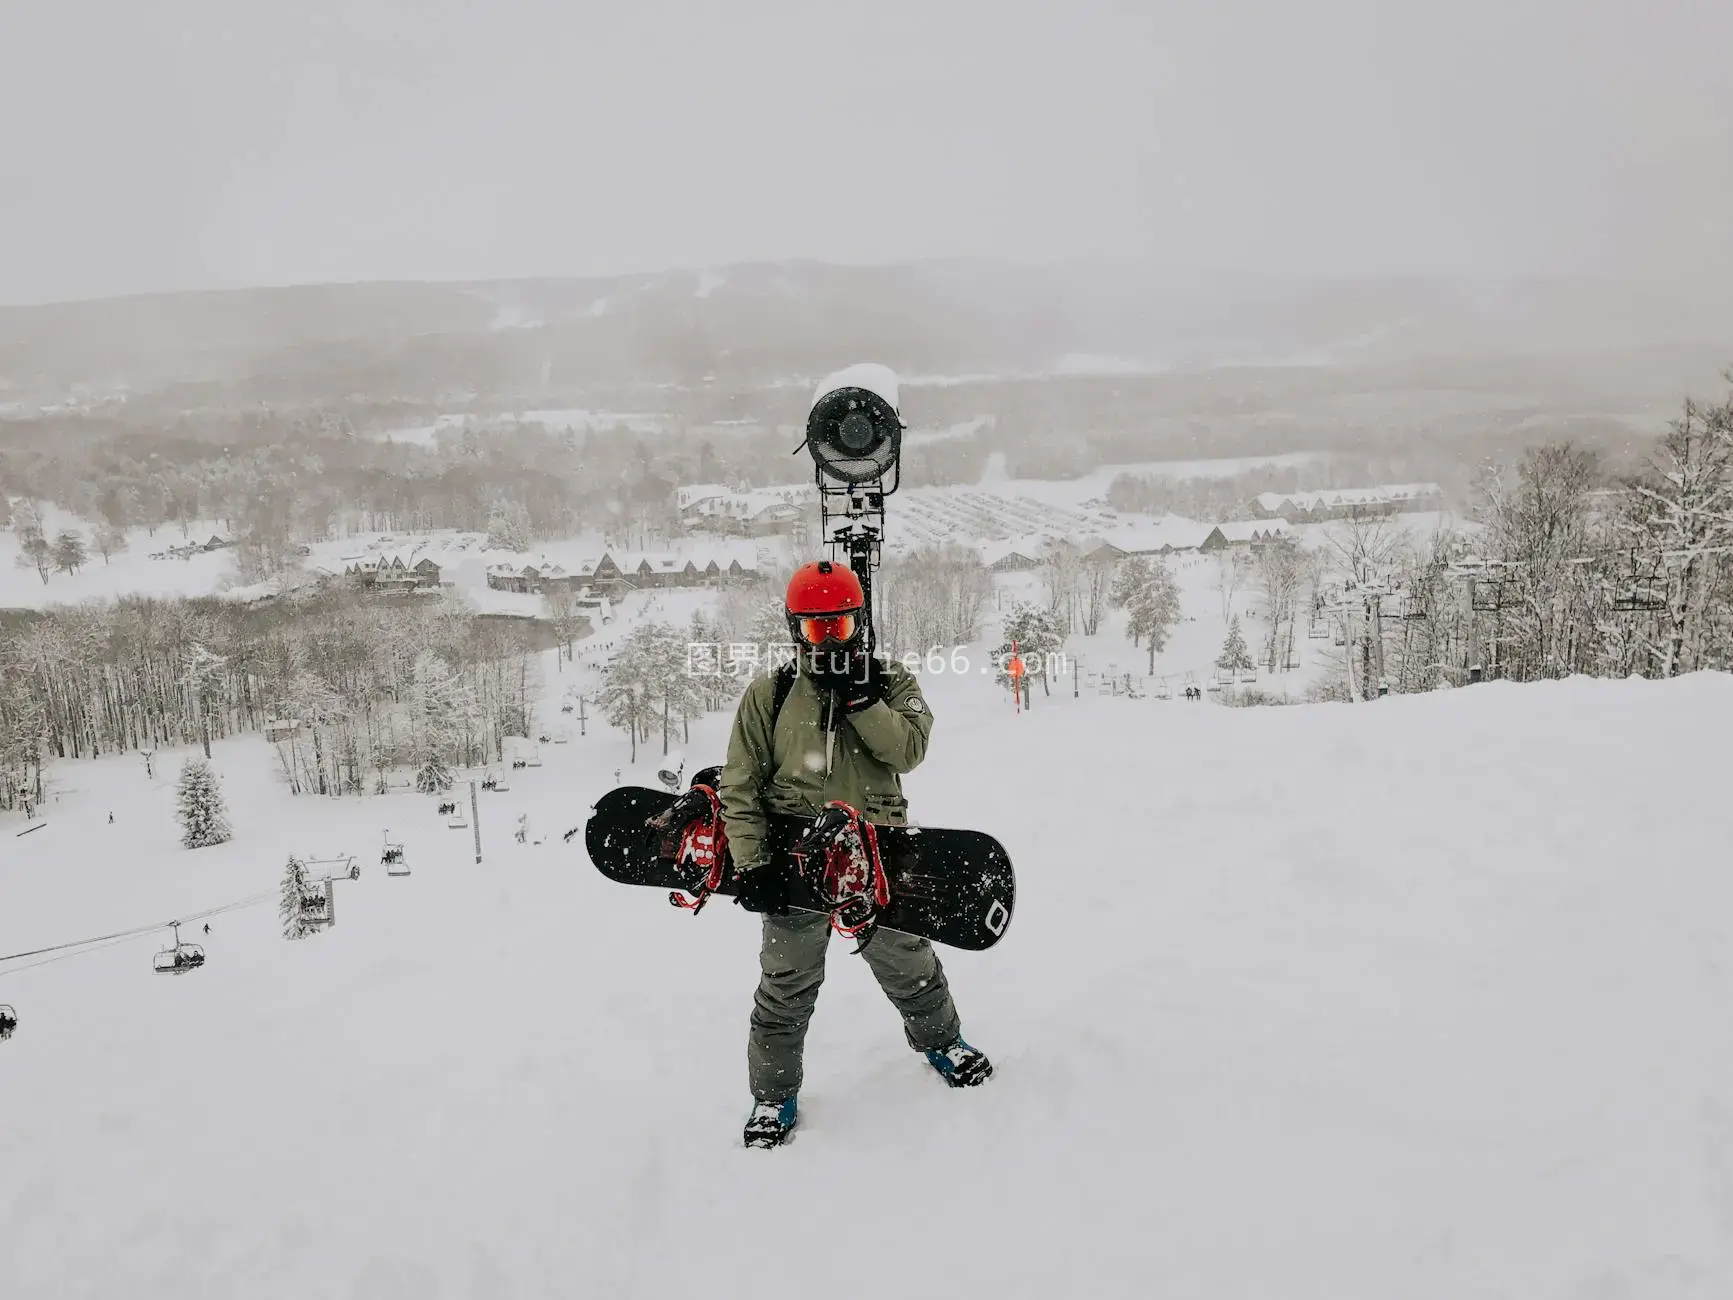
(849, 877)
(703, 842)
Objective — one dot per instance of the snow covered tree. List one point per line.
(110, 541)
(290, 909)
(1039, 635)
(1062, 578)
(1280, 568)
(70, 554)
(648, 680)
(1095, 576)
(1129, 579)
(508, 527)
(433, 776)
(1152, 598)
(436, 705)
(204, 821)
(1681, 514)
(34, 550)
(201, 674)
(560, 604)
(1235, 657)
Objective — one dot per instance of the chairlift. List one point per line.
(178, 958)
(1161, 690)
(458, 821)
(8, 1022)
(316, 908)
(392, 859)
(337, 866)
(1647, 592)
(1317, 627)
(534, 757)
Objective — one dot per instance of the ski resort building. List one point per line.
(1254, 532)
(1344, 503)
(610, 573)
(749, 512)
(389, 573)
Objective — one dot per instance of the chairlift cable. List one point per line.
(252, 900)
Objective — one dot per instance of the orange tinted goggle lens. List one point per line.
(832, 627)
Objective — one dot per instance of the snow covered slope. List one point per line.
(1422, 999)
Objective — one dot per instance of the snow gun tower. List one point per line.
(854, 431)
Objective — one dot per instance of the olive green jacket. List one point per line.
(814, 758)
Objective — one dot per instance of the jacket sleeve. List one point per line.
(896, 728)
(745, 775)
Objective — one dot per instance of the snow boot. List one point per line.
(960, 1065)
(770, 1123)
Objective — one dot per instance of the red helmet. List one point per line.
(824, 604)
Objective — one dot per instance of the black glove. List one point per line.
(856, 681)
(764, 889)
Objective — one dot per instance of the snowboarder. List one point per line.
(207, 927)
(850, 725)
(111, 819)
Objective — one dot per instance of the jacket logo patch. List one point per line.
(916, 704)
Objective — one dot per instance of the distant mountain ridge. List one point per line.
(756, 323)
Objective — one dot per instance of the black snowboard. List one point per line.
(954, 887)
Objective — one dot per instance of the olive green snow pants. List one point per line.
(792, 961)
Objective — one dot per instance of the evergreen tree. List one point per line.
(1039, 635)
(70, 553)
(508, 527)
(1130, 579)
(1234, 656)
(438, 712)
(295, 924)
(204, 821)
(1155, 609)
(433, 776)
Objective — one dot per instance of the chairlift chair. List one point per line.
(8, 1021)
(1487, 595)
(1161, 690)
(458, 821)
(341, 864)
(534, 757)
(178, 958)
(1647, 592)
(1639, 598)
(393, 859)
(316, 908)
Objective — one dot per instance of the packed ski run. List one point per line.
(1421, 999)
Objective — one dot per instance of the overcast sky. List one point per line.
(204, 143)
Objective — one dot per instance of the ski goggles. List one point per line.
(818, 629)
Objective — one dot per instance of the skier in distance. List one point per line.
(850, 725)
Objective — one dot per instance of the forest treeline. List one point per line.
(372, 685)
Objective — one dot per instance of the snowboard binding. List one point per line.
(693, 836)
(838, 855)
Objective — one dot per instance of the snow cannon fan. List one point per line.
(854, 432)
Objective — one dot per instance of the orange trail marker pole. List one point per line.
(1015, 669)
